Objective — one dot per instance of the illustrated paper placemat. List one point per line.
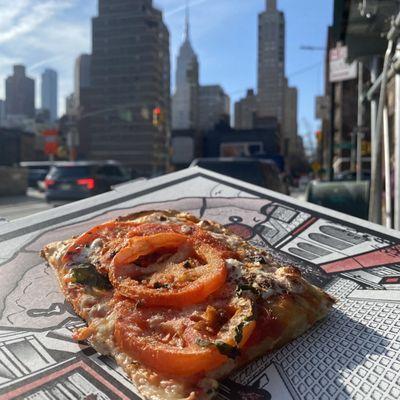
(354, 353)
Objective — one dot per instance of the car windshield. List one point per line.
(70, 172)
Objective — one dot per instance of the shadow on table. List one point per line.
(334, 360)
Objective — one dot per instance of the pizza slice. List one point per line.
(181, 302)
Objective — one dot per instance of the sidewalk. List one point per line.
(298, 193)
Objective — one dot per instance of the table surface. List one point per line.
(353, 354)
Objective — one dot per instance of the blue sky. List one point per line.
(51, 33)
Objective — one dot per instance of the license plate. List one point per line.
(65, 186)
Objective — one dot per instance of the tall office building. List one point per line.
(290, 124)
(20, 94)
(81, 76)
(246, 110)
(49, 92)
(70, 105)
(129, 79)
(2, 112)
(186, 94)
(271, 62)
(214, 106)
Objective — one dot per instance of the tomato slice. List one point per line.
(159, 263)
(172, 341)
(176, 282)
(114, 233)
(144, 245)
(108, 231)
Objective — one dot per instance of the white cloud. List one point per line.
(46, 61)
(181, 8)
(40, 34)
(26, 17)
(52, 33)
(68, 39)
(8, 14)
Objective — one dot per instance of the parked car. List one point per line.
(81, 179)
(261, 172)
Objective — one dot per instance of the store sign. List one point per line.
(366, 148)
(339, 69)
(50, 141)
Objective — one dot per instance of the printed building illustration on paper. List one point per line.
(355, 350)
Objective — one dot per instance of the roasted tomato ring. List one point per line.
(170, 341)
(174, 286)
(108, 231)
(125, 244)
(114, 232)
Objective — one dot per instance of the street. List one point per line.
(15, 207)
(298, 193)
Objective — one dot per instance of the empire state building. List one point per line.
(186, 94)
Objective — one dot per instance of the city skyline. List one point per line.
(233, 28)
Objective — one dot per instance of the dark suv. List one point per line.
(261, 172)
(81, 179)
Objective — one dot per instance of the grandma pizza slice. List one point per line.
(180, 302)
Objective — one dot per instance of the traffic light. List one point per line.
(157, 117)
(319, 135)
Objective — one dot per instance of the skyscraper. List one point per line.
(245, 111)
(70, 105)
(271, 62)
(129, 78)
(214, 106)
(49, 92)
(20, 94)
(2, 112)
(290, 120)
(186, 94)
(81, 76)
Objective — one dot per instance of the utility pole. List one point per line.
(397, 150)
(360, 120)
(331, 135)
(375, 205)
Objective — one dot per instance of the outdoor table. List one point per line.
(353, 354)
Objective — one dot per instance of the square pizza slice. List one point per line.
(179, 302)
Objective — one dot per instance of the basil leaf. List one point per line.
(227, 350)
(86, 274)
(224, 348)
(239, 332)
(239, 328)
